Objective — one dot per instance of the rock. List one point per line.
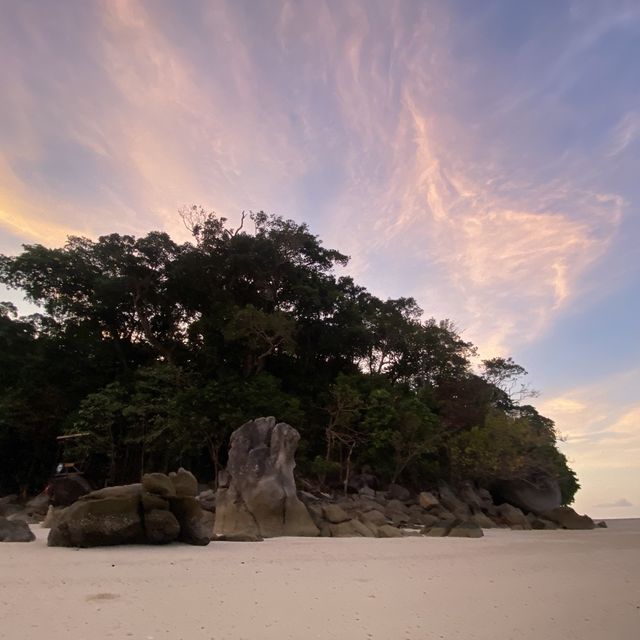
(428, 520)
(193, 524)
(101, 522)
(9, 509)
(334, 513)
(541, 523)
(486, 498)
(469, 495)
(566, 517)
(258, 495)
(427, 500)
(367, 492)
(207, 500)
(396, 492)
(184, 483)
(374, 517)
(39, 504)
(161, 527)
(387, 531)
(53, 514)
(397, 517)
(15, 531)
(397, 505)
(158, 483)
(65, 490)
(350, 529)
(451, 502)
(512, 516)
(602, 524)
(437, 531)
(539, 497)
(466, 530)
(482, 520)
(119, 491)
(151, 502)
(27, 518)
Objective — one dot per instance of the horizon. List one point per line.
(477, 158)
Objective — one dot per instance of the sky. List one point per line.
(482, 157)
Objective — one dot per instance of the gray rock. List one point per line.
(161, 527)
(512, 516)
(334, 513)
(207, 500)
(159, 484)
(437, 531)
(396, 492)
(367, 492)
(427, 500)
(466, 530)
(350, 529)
(38, 505)
(602, 524)
(258, 495)
(482, 520)
(451, 502)
(98, 522)
(190, 516)
(52, 517)
(567, 518)
(373, 516)
(543, 495)
(15, 531)
(184, 483)
(387, 531)
(119, 491)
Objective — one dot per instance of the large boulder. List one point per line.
(397, 492)
(450, 501)
(38, 505)
(193, 525)
(566, 517)
(257, 494)
(184, 483)
(543, 495)
(513, 517)
(334, 513)
(147, 512)
(98, 522)
(15, 531)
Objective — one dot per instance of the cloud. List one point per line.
(622, 502)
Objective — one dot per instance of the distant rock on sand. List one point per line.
(15, 531)
(159, 510)
(257, 494)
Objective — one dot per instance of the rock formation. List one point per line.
(544, 495)
(257, 494)
(159, 510)
(15, 531)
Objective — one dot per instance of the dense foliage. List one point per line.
(159, 350)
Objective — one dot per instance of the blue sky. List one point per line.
(480, 156)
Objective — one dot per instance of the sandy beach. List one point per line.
(529, 584)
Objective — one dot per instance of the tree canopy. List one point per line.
(159, 350)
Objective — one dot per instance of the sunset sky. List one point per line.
(483, 157)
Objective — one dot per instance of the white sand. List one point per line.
(545, 585)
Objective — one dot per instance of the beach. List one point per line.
(509, 584)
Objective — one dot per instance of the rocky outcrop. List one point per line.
(257, 493)
(64, 491)
(15, 531)
(567, 518)
(150, 512)
(543, 495)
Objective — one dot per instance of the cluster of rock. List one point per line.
(257, 498)
(159, 510)
(438, 513)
